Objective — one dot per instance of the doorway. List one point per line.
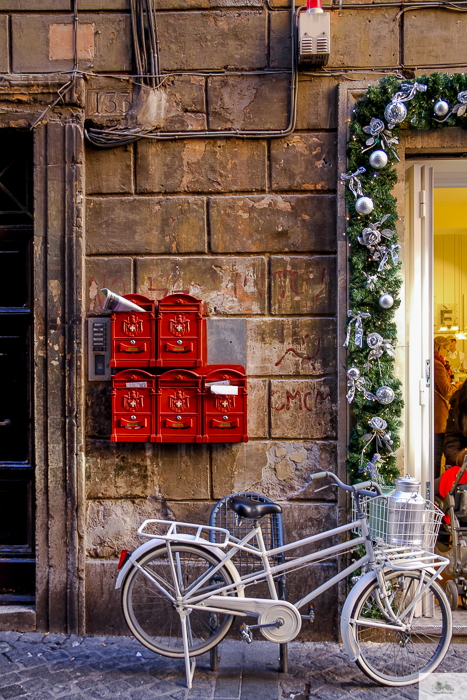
(17, 550)
(436, 294)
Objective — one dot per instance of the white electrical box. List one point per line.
(99, 349)
(314, 38)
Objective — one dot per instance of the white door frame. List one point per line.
(419, 394)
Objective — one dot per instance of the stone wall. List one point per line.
(247, 225)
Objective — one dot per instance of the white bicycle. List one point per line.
(181, 593)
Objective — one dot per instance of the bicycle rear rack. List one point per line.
(175, 531)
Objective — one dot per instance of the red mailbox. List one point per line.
(133, 406)
(181, 332)
(134, 335)
(179, 407)
(225, 405)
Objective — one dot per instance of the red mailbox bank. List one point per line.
(179, 407)
(133, 406)
(225, 414)
(134, 335)
(181, 327)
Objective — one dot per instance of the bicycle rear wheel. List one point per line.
(151, 615)
(393, 657)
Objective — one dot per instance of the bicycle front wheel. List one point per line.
(391, 656)
(150, 613)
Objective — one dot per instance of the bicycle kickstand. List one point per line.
(189, 665)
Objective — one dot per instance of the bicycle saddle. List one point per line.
(246, 508)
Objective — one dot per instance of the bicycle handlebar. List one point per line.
(355, 488)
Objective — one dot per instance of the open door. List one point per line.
(419, 398)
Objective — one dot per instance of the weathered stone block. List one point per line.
(327, 461)
(31, 43)
(279, 470)
(226, 341)
(182, 103)
(114, 273)
(303, 408)
(291, 346)
(103, 601)
(303, 581)
(36, 5)
(302, 520)
(303, 285)
(226, 285)
(425, 46)
(109, 170)
(98, 409)
(249, 102)
(304, 162)
(317, 103)
(4, 45)
(209, 40)
(182, 471)
(107, 99)
(273, 223)
(200, 166)
(112, 524)
(116, 470)
(145, 225)
(191, 511)
(362, 38)
(258, 400)
(366, 38)
(103, 5)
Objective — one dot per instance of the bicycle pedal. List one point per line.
(311, 614)
(247, 634)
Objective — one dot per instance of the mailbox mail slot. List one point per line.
(134, 335)
(179, 407)
(181, 332)
(133, 406)
(225, 414)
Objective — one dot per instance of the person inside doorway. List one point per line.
(455, 357)
(444, 389)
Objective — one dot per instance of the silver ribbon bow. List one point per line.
(378, 346)
(383, 439)
(371, 235)
(380, 135)
(408, 92)
(460, 108)
(382, 253)
(354, 183)
(355, 382)
(357, 319)
(371, 281)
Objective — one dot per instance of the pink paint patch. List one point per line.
(61, 42)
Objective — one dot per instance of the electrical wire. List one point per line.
(146, 50)
(117, 136)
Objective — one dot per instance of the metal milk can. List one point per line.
(406, 509)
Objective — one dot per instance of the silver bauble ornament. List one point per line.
(385, 395)
(395, 113)
(353, 373)
(378, 159)
(441, 108)
(364, 205)
(386, 301)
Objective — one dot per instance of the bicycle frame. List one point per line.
(269, 572)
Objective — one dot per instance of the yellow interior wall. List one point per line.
(450, 255)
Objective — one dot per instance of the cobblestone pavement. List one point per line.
(44, 667)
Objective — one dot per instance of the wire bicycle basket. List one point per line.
(409, 524)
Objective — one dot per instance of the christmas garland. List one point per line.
(374, 392)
